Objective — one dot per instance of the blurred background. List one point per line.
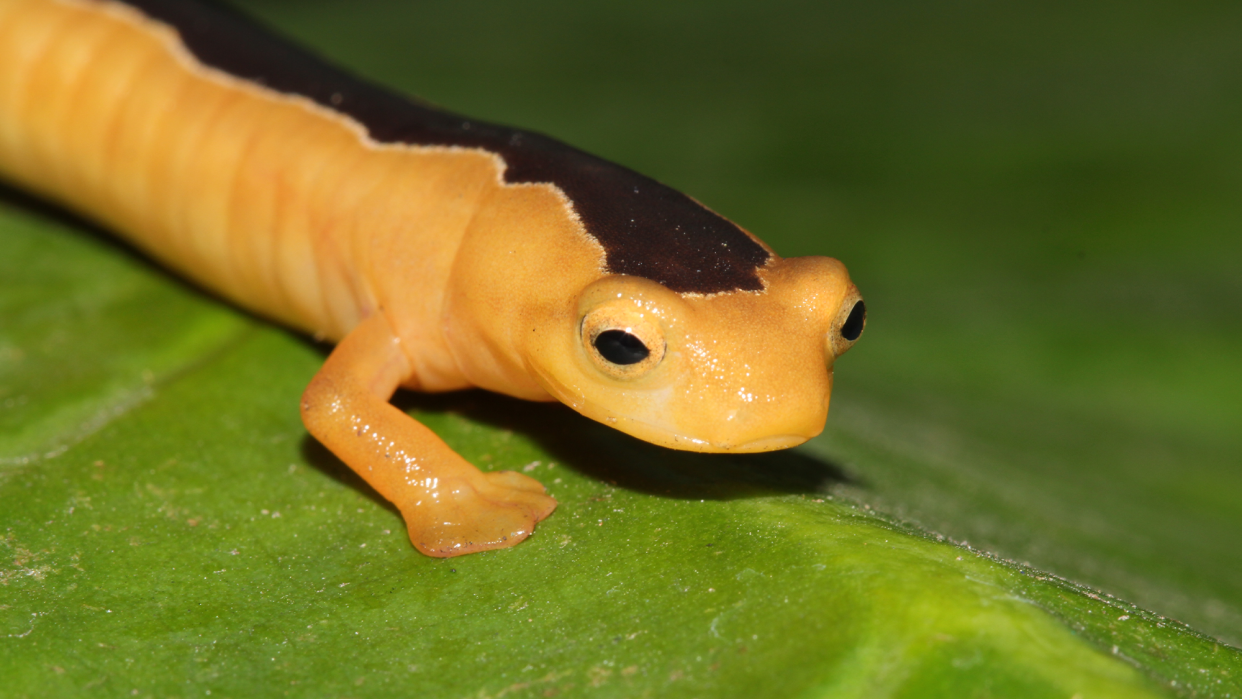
(1040, 201)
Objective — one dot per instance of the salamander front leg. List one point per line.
(450, 507)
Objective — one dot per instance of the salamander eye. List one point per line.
(853, 326)
(620, 347)
(848, 326)
(623, 343)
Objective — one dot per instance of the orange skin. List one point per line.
(431, 271)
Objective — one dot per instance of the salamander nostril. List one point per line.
(853, 325)
(620, 347)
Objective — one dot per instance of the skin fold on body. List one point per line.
(439, 252)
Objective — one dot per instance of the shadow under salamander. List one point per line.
(67, 218)
(32, 203)
(605, 454)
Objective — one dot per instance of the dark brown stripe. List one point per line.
(646, 229)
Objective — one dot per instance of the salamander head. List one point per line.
(742, 371)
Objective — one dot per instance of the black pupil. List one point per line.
(620, 347)
(854, 324)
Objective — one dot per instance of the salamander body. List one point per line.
(439, 252)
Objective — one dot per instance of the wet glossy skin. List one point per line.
(442, 254)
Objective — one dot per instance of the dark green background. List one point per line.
(1040, 203)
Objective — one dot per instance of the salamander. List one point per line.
(439, 252)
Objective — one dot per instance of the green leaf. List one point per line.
(168, 529)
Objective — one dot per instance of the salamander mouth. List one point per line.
(773, 443)
(662, 433)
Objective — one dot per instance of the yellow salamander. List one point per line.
(440, 252)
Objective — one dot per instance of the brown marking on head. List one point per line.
(646, 229)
